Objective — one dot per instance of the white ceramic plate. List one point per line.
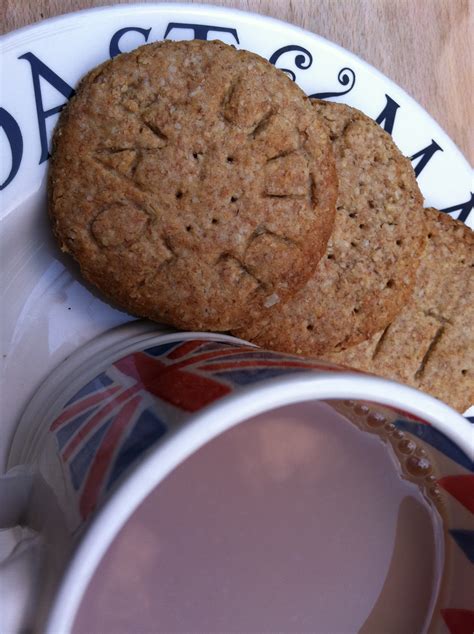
(47, 311)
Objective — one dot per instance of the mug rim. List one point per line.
(202, 427)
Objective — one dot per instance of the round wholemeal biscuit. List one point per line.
(430, 343)
(368, 271)
(192, 183)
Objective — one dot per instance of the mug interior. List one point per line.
(330, 513)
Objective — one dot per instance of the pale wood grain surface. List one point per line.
(425, 46)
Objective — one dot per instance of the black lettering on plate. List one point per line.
(465, 209)
(387, 117)
(425, 155)
(114, 48)
(39, 69)
(346, 77)
(303, 60)
(15, 140)
(201, 31)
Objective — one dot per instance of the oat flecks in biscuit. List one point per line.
(369, 269)
(430, 344)
(192, 183)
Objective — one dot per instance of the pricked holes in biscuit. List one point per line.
(464, 372)
(189, 228)
(399, 242)
(353, 215)
(214, 221)
(197, 155)
(391, 284)
(309, 327)
(234, 199)
(179, 194)
(230, 159)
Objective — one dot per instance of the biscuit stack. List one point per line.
(198, 186)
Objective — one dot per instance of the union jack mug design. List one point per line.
(113, 428)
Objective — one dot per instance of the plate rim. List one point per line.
(9, 40)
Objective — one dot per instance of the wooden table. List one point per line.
(425, 46)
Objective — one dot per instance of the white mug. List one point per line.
(115, 419)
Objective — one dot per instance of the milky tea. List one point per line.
(294, 521)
